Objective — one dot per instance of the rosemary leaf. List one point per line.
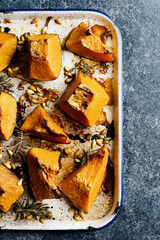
(5, 84)
(36, 209)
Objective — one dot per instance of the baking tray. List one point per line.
(71, 18)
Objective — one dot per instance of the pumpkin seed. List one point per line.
(40, 94)
(98, 142)
(9, 70)
(1, 156)
(100, 136)
(32, 88)
(13, 166)
(7, 164)
(103, 132)
(38, 89)
(22, 38)
(43, 104)
(10, 152)
(36, 101)
(69, 74)
(41, 220)
(29, 91)
(47, 103)
(81, 214)
(44, 29)
(67, 69)
(71, 209)
(1, 29)
(68, 151)
(29, 217)
(21, 98)
(15, 69)
(7, 20)
(20, 182)
(26, 34)
(35, 96)
(68, 80)
(78, 218)
(34, 21)
(43, 141)
(77, 160)
(78, 154)
(53, 99)
(20, 42)
(58, 21)
(106, 139)
(93, 144)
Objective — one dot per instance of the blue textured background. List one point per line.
(138, 21)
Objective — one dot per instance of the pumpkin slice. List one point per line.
(8, 113)
(8, 46)
(10, 191)
(44, 56)
(82, 185)
(84, 100)
(40, 124)
(86, 43)
(43, 167)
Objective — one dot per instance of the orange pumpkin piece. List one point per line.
(84, 100)
(82, 185)
(86, 43)
(44, 56)
(43, 167)
(8, 113)
(40, 124)
(109, 90)
(10, 190)
(8, 46)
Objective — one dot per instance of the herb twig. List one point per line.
(36, 210)
(5, 84)
(87, 155)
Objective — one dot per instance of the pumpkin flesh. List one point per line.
(10, 191)
(82, 185)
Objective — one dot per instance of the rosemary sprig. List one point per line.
(5, 84)
(87, 155)
(86, 66)
(36, 210)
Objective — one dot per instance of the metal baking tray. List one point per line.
(70, 19)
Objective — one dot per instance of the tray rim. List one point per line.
(120, 108)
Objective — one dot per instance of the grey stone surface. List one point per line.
(138, 21)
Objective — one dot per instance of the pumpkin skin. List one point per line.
(40, 124)
(10, 191)
(8, 113)
(89, 44)
(82, 185)
(43, 167)
(44, 56)
(84, 100)
(8, 46)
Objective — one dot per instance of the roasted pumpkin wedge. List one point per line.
(8, 46)
(82, 185)
(44, 56)
(8, 113)
(10, 190)
(84, 100)
(40, 124)
(86, 43)
(43, 167)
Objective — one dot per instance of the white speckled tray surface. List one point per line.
(106, 206)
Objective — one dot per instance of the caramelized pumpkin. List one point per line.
(84, 100)
(82, 185)
(10, 191)
(8, 112)
(43, 167)
(8, 46)
(87, 43)
(44, 56)
(40, 124)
